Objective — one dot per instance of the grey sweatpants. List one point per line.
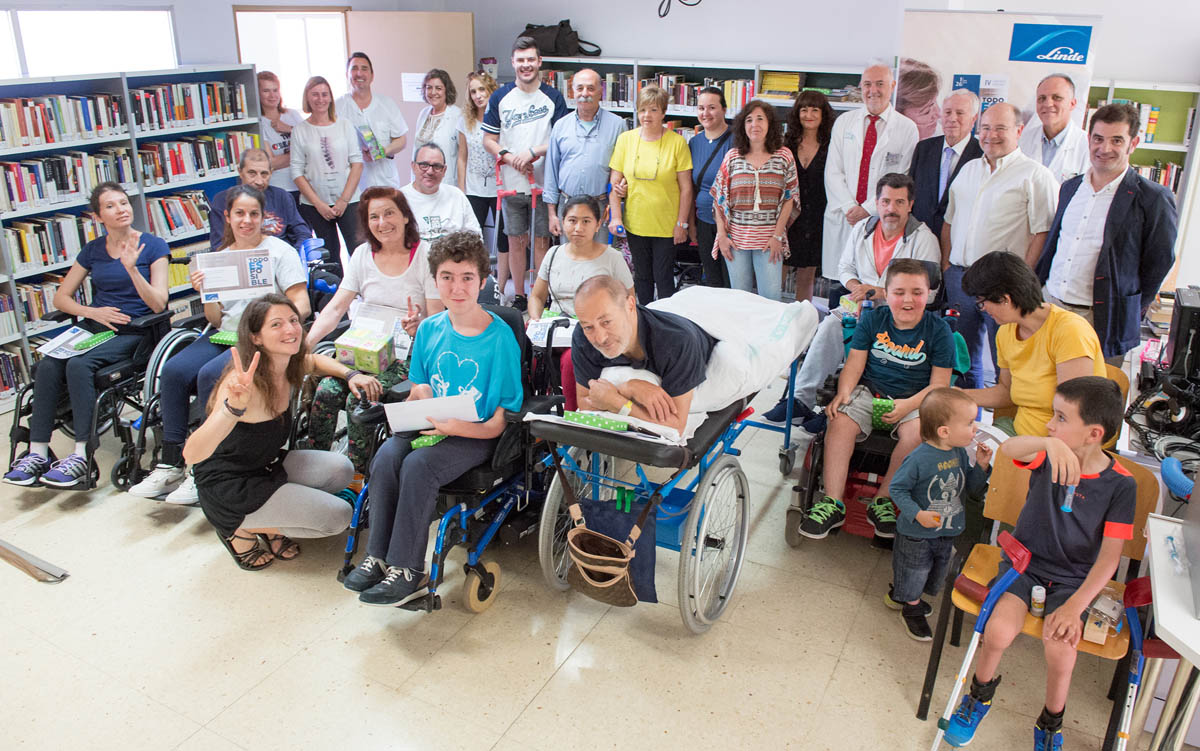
(305, 505)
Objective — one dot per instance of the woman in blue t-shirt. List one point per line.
(129, 280)
(463, 350)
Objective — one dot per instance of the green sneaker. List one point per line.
(825, 516)
(882, 515)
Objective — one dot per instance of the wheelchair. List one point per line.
(118, 386)
(500, 498)
(704, 515)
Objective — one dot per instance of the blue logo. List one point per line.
(1050, 43)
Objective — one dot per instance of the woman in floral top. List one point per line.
(754, 199)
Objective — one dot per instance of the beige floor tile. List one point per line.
(640, 681)
(303, 705)
(206, 740)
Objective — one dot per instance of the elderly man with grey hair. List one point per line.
(1005, 201)
(280, 217)
(1051, 138)
(938, 159)
(440, 208)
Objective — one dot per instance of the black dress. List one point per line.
(244, 471)
(804, 236)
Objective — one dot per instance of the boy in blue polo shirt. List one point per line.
(1074, 553)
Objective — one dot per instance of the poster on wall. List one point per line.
(1000, 57)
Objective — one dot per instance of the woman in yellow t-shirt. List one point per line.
(1038, 345)
(656, 167)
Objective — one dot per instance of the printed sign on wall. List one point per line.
(1050, 43)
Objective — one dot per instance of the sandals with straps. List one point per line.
(252, 558)
(281, 546)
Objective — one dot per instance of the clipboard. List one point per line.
(405, 417)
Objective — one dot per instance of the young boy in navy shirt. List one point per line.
(1074, 553)
(900, 352)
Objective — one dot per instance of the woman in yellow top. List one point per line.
(1038, 346)
(656, 167)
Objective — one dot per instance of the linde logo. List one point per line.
(1050, 43)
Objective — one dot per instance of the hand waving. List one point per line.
(241, 387)
(411, 321)
(130, 250)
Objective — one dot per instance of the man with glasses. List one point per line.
(377, 118)
(440, 208)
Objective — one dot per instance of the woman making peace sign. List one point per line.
(254, 491)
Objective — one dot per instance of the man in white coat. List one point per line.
(865, 145)
(1060, 145)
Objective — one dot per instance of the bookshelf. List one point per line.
(165, 135)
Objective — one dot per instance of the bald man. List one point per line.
(1005, 201)
(614, 330)
(865, 145)
(1050, 137)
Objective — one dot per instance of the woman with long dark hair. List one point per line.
(809, 124)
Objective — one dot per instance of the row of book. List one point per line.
(616, 89)
(181, 105)
(36, 299)
(13, 372)
(178, 214)
(61, 178)
(39, 242)
(185, 307)
(60, 119)
(1168, 174)
(1148, 115)
(178, 274)
(189, 158)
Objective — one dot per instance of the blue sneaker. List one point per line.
(1047, 740)
(965, 721)
(778, 413)
(66, 473)
(26, 470)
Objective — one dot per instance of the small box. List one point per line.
(368, 351)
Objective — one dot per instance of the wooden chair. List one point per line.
(1007, 489)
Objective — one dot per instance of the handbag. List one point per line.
(560, 40)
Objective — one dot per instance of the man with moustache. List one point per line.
(1004, 201)
(938, 160)
(1113, 238)
(1058, 144)
(865, 144)
(374, 116)
(580, 147)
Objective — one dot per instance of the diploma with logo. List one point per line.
(234, 274)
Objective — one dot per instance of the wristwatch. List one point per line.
(778, 238)
(683, 225)
(502, 153)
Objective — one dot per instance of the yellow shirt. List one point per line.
(652, 203)
(1033, 363)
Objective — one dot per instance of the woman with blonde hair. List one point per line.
(476, 167)
(276, 122)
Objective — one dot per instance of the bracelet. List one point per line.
(234, 410)
(350, 374)
(626, 408)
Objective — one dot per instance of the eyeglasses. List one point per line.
(979, 303)
(430, 167)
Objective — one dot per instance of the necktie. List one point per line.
(864, 166)
(944, 178)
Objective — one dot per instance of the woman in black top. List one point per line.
(253, 490)
(808, 127)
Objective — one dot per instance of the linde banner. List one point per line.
(999, 56)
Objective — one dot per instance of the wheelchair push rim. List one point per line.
(555, 521)
(714, 544)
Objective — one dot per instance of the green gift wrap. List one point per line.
(879, 408)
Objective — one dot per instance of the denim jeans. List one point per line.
(753, 268)
(919, 565)
(977, 328)
(825, 353)
(77, 375)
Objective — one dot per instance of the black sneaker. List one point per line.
(398, 586)
(915, 623)
(778, 413)
(520, 302)
(825, 516)
(369, 573)
(882, 515)
(892, 604)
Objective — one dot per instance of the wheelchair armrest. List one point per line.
(151, 321)
(539, 405)
(197, 321)
(58, 316)
(398, 393)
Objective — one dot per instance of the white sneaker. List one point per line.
(161, 481)
(185, 494)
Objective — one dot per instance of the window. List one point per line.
(63, 42)
(295, 46)
(10, 64)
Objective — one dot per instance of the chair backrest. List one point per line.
(516, 322)
(1118, 376)
(1009, 486)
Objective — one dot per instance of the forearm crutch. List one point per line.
(1018, 554)
(1137, 594)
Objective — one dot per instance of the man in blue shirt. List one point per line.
(280, 217)
(580, 148)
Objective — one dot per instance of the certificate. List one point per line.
(404, 417)
(235, 274)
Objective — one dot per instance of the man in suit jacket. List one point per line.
(1113, 237)
(937, 160)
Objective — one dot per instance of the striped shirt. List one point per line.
(751, 199)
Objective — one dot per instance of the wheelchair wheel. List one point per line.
(174, 341)
(714, 544)
(478, 598)
(556, 522)
(121, 472)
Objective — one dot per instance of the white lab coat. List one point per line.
(896, 139)
(1072, 158)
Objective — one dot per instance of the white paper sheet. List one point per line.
(413, 85)
(235, 274)
(536, 331)
(62, 346)
(407, 416)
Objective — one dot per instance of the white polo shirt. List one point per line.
(1074, 269)
(1001, 209)
(383, 119)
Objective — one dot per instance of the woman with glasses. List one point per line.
(438, 122)
(1038, 345)
(754, 197)
(656, 167)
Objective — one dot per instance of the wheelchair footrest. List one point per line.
(428, 603)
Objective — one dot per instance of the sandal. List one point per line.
(251, 559)
(281, 546)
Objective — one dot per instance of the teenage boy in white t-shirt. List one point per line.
(377, 118)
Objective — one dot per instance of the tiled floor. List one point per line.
(157, 641)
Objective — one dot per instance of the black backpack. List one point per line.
(560, 40)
